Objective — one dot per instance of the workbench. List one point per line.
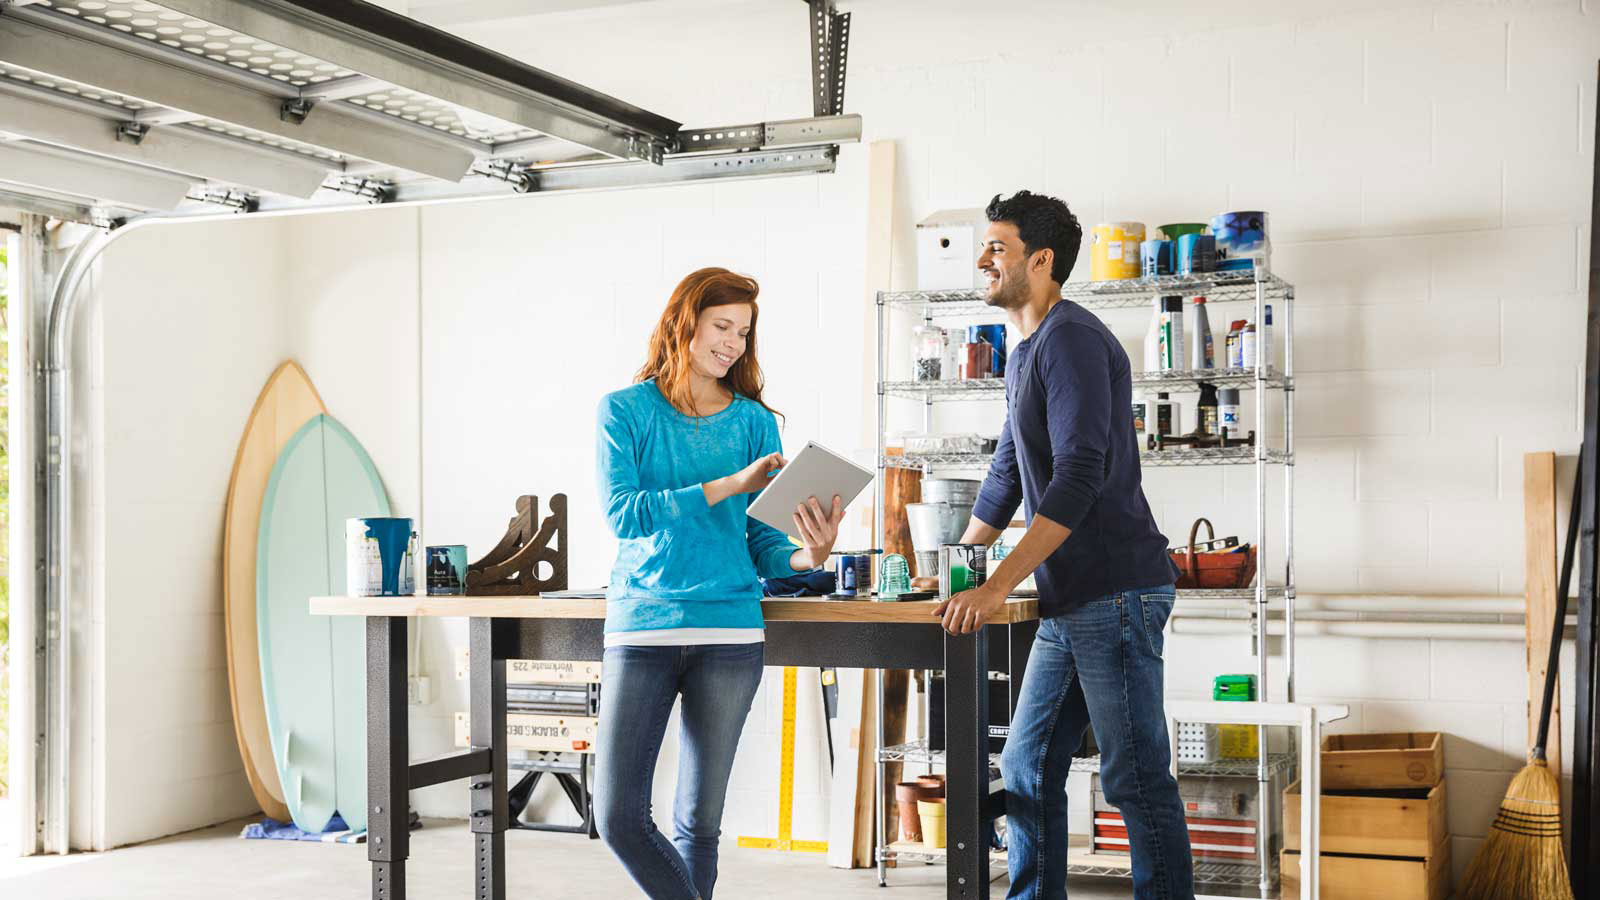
(802, 632)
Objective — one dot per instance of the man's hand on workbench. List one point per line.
(966, 612)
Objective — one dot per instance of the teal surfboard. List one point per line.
(313, 668)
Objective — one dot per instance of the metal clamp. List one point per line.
(132, 132)
(232, 198)
(295, 109)
(521, 178)
(372, 191)
(651, 150)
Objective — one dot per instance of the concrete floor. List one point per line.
(214, 863)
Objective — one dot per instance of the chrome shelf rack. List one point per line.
(1258, 287)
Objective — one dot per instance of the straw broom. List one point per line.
(1522, 859)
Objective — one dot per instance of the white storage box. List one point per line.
(947, 250)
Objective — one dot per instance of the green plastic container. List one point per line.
(1234, 687)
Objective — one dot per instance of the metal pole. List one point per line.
(878, 780)
(1585, 850)
(1288, 494)
(1264, 810)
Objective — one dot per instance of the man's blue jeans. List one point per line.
(1099, 665)
(717, 682)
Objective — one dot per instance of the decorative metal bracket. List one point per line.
(512, 567)
(829, 33)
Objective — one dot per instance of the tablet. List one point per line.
(815, 472)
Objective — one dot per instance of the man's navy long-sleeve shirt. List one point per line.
(1068, 452)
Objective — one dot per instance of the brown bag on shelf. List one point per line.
(1213, 570)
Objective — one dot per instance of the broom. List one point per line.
(1522, 859)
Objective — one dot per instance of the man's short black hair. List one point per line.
(1042, 222)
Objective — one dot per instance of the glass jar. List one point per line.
(928, 340)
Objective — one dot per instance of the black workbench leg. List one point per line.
(966, 716)
(490, 810)
(388, 757)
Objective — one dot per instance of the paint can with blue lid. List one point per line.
(1155, 257)
(447, 570)
(853, 571)
(380, 557)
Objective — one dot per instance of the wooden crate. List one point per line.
(1371, 762)
(1392, 823)
(1372, 877)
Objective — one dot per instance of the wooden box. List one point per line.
(1375, 762)
(1390, 823)
(1373, 878)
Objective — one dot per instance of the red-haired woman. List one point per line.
(681, 454)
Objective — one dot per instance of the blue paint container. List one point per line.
(1196, 253)
(1241, 236)
(447, 570)
(1155, 257)
(996, 336)
(380, 557)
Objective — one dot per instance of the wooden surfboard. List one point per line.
(313, 671)
(287, 402)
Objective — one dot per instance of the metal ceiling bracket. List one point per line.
(132, 132)
(522, 179)
(295, 110)
(829, 35)
(238, 201)
(651, 150)
(372, 191)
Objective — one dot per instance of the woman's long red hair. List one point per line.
(667, 359)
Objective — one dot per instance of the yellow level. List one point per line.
(785, 840)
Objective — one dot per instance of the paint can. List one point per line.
(1155, 258)
(852, 573)
(1195, 253)
(380, 557)
(1132, 237)
(995, 336)
(1241, 236)
(961, 567)
(447, 570)
(1105, 252)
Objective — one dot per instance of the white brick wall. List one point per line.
(1427, 171)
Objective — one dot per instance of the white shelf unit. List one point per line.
(1258, 287)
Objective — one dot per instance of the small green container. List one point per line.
(1234, 687)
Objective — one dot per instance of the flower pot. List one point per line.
(931, 812)
(906, 795)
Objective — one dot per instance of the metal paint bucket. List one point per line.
(1195, 253)
(447, 570)
(1155, 258)
(961, 567)
(935, 524)
(1105, 252)
(380, 557)
(1241, 236)
(1132, 237)
(950, 490)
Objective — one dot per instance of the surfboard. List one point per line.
(313, 668)
(287, 402)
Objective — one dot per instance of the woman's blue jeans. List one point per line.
(717, 683)
(1099, 665)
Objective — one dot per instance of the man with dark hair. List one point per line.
(1068, 454)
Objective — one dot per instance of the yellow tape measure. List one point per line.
(785, 840)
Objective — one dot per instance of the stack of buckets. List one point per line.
(921, 806)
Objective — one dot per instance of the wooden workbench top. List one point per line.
(535, 607)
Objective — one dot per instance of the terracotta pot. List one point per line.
(933, 786)
(906, 795)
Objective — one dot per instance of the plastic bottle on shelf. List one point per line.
(1171, 333)
(1152, 340)
(1202, 355)
(1167, 416)
(1247, 347)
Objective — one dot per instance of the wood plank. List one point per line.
(900, 487)
(1020, 609)
(1540, 559)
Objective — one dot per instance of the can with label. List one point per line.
(379, 554)
(447, 570)
(961, 567)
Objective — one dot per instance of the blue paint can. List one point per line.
(1155, 258)
(1241, 236)
(1196, 253)
(853, 574)
(447, 570)
(380, 557)
(995, 336)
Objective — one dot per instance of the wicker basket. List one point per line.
(1234, 568)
